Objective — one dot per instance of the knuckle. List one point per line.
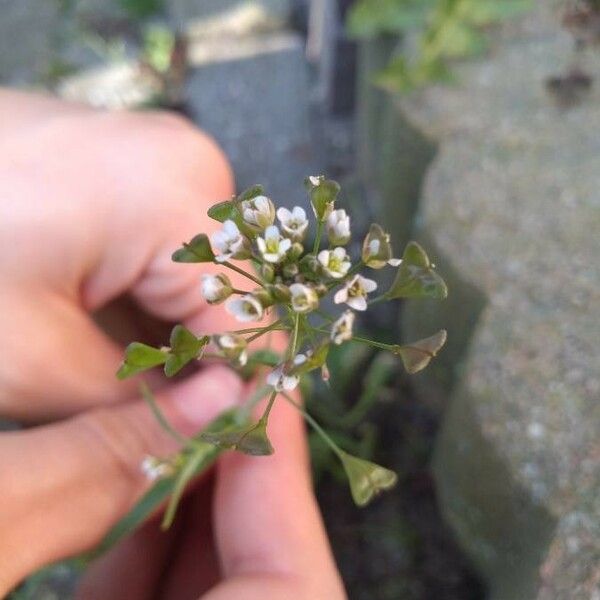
(120, 440)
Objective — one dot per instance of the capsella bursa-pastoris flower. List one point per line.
(289, 280)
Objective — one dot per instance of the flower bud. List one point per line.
(258, 212)
(245, 308)
(304, 298)
(338, 227)
(267, 272)
(296, 251)
(290, 270)
(216, 288)
(279, 292)
(234, 347)
(264, 297)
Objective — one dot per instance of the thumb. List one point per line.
(64, 485)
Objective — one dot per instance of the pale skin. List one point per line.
(91, 206)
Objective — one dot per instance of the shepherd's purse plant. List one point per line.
(289, 283)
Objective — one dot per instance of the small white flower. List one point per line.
(315, 179)
(279, 378)
(335, 262)
(304, 298)
(230, 243)
(341, 330)
(245, 308)
(355, 291)
(293, 223)
(216, 288)
(338, 227)
(273, 247)
(233, 347)
(259, 212)
(154, 468)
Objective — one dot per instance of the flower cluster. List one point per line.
(294, 272)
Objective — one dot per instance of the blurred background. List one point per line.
(472, 126)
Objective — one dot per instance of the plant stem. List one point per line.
(309, 419)
(241, 292)
(318, 235)
(363, 340)
(264, 330)
(242, 272)
(294, 340)
(269, 406)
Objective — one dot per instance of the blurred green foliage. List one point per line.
(445, 30)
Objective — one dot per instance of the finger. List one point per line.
(267, 524)
(132, 569)
(109, 235)
(65, 484)
(67, 366)
(193, 567)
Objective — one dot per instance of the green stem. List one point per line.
(242, 272)
(318, 235)
(309, 419)
(241, 292)
(363, 340)
(272, 327)
(269, 406)
(294, 340)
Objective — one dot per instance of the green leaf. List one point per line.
(368, 18)
(487, 12)
(323, 193)
(251, 439)
(418, 355)
(416, 277)
(367, 479)
(223, 211)
(251, 192)
(140, 357)
(198, 250)
(185, 347)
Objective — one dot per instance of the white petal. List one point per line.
(230, 228)
(299, 213)
(285, 245)
(323, 257)
(290, 382)
(272, 232)
(368, 285)
(284, 215)
(340, 296)
(357, 302)
(273, 377)
(339, 253)
(262, 246)
(395, 262)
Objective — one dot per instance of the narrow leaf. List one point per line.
(198, 250)
(418, 355)
(140, 357)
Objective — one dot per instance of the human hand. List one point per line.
(93, 205)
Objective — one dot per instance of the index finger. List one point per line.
(269, 533)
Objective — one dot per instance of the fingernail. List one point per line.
(203, 396)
